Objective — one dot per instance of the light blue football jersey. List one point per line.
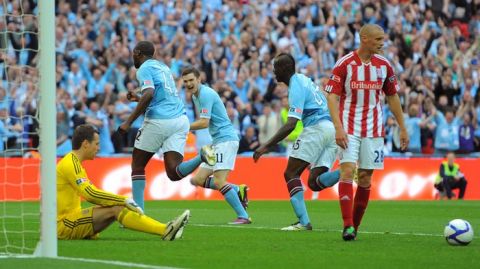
(209, 105)
(166, 103)
(306, 101)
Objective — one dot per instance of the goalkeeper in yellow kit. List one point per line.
(73, 222)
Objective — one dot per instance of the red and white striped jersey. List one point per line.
(360, 87)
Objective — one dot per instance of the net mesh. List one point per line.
(19, 96)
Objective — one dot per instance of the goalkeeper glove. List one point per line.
(130, 204)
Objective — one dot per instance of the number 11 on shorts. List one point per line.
(219, 157)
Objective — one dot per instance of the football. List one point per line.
(458, 232)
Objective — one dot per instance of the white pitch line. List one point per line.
(117, 263)
(315, 230)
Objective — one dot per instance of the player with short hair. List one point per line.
(73, 222)
(165, 125)
(358, 81)
(316, 144)
(213, 115)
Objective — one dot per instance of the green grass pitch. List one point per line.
(393, 235)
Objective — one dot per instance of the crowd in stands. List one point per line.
(434, 47)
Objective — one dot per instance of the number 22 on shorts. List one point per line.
(378, 156)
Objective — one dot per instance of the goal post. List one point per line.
(47, 246)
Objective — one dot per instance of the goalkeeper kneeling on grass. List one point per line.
(73, 222)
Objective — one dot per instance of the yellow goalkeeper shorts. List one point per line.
(77, 225)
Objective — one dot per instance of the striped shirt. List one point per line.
(360, 87)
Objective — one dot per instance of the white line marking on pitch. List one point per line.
(117, 263)
(315, 230)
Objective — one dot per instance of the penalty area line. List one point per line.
(96, 261)
(314, 230)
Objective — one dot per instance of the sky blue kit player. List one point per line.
(210, 106)
(165, 126)
(212, 114)
(315, 147)
(306, 102)
(165, 104)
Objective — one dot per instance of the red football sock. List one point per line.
(345, 196)
(361, 201)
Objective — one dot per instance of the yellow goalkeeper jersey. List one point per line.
(73, 183)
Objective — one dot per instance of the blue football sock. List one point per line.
(329, 179)
(295, 189)
(299, 207)
(232, 199)
(189, 166)
(138, 188)
(210, 184)
(236, 188)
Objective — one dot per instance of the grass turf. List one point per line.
(393, 235)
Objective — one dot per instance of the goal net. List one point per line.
(21, 122)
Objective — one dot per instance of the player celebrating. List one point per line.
(73, 222)
(165, 126)
(358, 80)
(213, 115)
(315, 146)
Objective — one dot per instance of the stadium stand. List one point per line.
(433, 45)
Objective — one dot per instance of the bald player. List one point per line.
(356, 86)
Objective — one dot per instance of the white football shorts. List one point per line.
(366, 151)
(164, 134)
(226, 156)
(316, 145)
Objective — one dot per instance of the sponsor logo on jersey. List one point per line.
(204, 111)
(295, 110)
(147, 83)
(335, 78)
(80, 181)
(365, 85)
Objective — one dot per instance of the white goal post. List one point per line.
(28, 119)
(47, 246)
